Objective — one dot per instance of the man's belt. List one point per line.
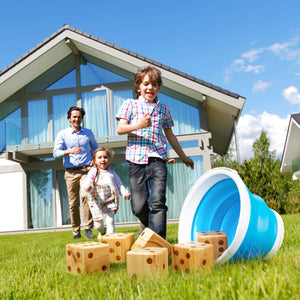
(83, 168)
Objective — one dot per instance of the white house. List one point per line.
(291, 153)
(72, 67)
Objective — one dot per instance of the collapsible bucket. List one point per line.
(219, 200)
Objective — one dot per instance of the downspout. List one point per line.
(236, 143)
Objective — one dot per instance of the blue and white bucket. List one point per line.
(219, 200)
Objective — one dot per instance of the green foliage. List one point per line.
(228, 161)
(261, 174)
(33, 266)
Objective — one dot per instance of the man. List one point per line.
(76, 145)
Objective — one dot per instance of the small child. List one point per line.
(104, 187)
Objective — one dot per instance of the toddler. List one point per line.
(104, 187)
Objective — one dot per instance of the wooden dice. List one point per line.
(87, 257)
(144, 261)
(216, 238)
(192, 256)
(149, 238)
(119, 244)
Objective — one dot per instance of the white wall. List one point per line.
(12, 181)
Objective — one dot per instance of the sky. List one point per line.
(251, 48)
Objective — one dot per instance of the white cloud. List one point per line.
(283, 51)
(254, 69)
(280, 49)
(239, 65)
(252, 55)
(260, 86)
(249, 129)
(292, 95)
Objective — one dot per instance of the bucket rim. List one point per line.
(195, 196)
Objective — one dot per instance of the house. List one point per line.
(291, 153)
(71, 67)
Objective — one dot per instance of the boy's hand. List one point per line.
(188, 162)
(127, 197)
(145, 121)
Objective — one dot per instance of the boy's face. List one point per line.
(148, 89)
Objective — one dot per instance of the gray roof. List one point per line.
(148, 60)
(296, 117)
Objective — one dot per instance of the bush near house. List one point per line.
(261, 174)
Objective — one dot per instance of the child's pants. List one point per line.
(110, 224)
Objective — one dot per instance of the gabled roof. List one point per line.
(291, 151)
(221, 105)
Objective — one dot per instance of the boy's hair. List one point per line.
(154, 76)
(81, 110)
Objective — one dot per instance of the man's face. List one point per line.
(75, 119)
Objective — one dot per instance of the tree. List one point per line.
(262, 173)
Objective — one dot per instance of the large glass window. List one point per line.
(186, 117)
(40, 203)
(67, 81)
(10, 128)
(37, 121)
(60, 107)
(118, 98)
(177, 188)
(63, 199)
(95, 106)
(92, 74)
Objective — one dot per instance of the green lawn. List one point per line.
(33, 266)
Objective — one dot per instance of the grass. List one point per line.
(33, 266)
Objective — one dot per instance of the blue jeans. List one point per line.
(148, 194)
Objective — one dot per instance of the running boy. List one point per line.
(145, 120)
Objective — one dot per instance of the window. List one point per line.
(10, 130)
(95, 106)
(40, 203)
(186, 117)
(60, 107)
(118, 98)
(67, 81)
(92, 74)
(37, 121)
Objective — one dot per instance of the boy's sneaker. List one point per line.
(88, 234)
(140, 230)
(77, 236)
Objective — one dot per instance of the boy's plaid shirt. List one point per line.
(142, 141)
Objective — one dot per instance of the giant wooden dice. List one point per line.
(192, 256)
(148, 238)
(216, 238)
(119, 244)
(144, 261)
(87, 257)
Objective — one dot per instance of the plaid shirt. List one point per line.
(141, 141)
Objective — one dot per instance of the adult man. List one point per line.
(76, 145)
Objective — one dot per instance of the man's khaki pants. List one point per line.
(75, 179)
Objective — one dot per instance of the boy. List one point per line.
(145, 120)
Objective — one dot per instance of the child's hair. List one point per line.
(110, 153)
(154, 76)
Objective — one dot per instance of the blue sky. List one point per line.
(251, 48)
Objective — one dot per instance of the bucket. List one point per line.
(219, 200)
